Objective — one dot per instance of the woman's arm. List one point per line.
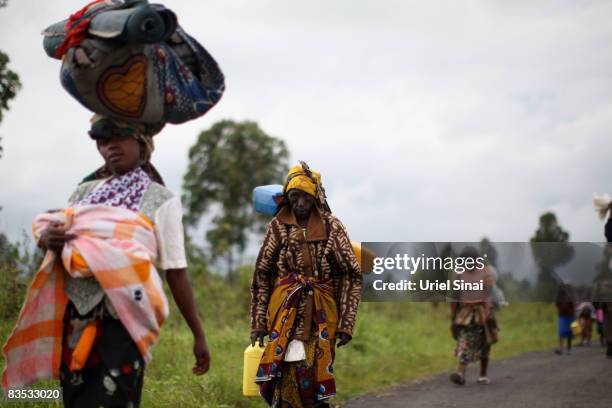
(261, 286)
(182, 292)
(352, 281)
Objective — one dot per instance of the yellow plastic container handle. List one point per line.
(576, 329)
(365, 257)
(252, 357)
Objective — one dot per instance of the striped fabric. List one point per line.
(115, 245)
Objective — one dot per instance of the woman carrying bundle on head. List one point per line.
(305, 294)
(95, 308)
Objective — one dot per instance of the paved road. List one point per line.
(535, 380)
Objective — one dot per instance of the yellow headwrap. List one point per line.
(299, 179)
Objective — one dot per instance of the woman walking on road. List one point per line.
(305, 293)
(472, 321)
(566, 316)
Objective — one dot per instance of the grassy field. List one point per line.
(394, 342)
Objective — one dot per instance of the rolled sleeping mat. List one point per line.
(53, 37)
(142, 24)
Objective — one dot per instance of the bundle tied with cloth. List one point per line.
(130, 60)
(116, 246)
(132, 65)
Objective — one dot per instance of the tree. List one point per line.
(225, 164)
(549, 257)
(487, 247)
(549, 230)
(9, 82)
(14, 258)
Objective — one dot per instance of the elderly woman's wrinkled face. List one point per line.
(301, 203)
(121, 154)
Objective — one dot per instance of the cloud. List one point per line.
(429, 121)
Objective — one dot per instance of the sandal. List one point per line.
(483, 380)
(457, 378)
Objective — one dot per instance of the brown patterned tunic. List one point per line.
(323, 251)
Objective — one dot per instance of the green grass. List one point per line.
(393, 342)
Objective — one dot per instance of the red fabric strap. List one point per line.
(75, 34)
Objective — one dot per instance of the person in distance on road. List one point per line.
(473, 323)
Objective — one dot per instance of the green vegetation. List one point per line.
(394, 342)
(225, 164)
(9, 82)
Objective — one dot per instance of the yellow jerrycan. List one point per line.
(365, 257)
(252, 357)
(576, 329)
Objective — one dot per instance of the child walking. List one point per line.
(565, 313)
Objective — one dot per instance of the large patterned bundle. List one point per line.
(130, 60)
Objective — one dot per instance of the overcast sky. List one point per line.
(429, 121)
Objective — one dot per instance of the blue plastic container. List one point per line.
(265, 198)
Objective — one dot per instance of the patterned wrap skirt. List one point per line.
(296, 378)
(472, 344)
(114, 371)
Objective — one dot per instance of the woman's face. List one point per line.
(121, 154)
(301, 203)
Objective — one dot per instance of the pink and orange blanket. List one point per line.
(116, 246)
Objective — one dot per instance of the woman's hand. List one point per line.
(180, 286)
(344, 339)
(54, 237)
(258, 336)
(202, 356)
